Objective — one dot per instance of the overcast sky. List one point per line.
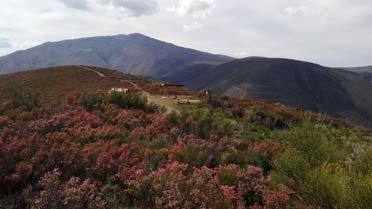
(329, 32)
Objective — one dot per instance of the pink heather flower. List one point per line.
(229, 192)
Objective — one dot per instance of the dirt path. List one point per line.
(98, 73)
(168, 103)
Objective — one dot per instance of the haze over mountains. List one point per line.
(345, 93)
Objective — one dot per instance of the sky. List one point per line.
(329, 32)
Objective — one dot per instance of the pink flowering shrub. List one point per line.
(103, 156)
(224, 187)
(73, 194)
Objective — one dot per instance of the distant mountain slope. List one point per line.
(134, 53)
(295, 83)
(363, 72)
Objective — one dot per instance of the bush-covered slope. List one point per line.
(98, 153)
(99, 150)
(55, 83)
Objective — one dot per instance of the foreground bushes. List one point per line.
(102, 152)
(318, 168)
(224, 187)
(114, 152)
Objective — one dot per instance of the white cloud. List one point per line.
(270, 28)
(197, 9)
(135, 7)
(194, 10)
(76, 4)
(192, 26)
(304, 11)
(132, 7)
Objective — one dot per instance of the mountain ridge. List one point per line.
(134, 53)
(295, 83)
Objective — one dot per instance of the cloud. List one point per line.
(198, 9)
(193, 26)
(270, 28)
(304, 11)
(76, 4)
(132, 7)
(4, 43)
(195, 10)
(135, 7)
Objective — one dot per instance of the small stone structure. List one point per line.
(121, 90)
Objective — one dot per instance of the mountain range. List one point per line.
(364, 72)
(341, 92)
(295, 83)
(135, 53)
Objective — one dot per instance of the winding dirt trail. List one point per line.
(95, 71)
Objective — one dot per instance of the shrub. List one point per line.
(292, 165)
(204, 123)
(326, 186)
(316, 143)
(361, 191)
(73, 194)
(127, 101)
(24, 97)
(364, 164)
(92, 101)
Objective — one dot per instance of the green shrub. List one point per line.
(264, 118)
(364, 164)
(196, 157)
(316, 143)
(292, 165)
(92, 101)
(203, 123)
(121, 99)
(127, 101)
(361, 191)
(24, 97)
(228, 177)
(326, 186)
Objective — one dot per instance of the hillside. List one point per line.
(80, 148)
(134, 53)
(51, 85)
(294, 83)
(364, 72)
(57, 82)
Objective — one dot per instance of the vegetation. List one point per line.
(116, 151)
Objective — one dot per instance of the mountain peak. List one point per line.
(137, 34)
(134, 53)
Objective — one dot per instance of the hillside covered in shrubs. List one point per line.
(67, 143)
(118, 151)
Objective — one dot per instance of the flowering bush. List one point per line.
(89, 153)
(74, 194)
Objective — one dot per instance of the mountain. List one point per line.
(295, 83)
(134, 53)
(364, 72)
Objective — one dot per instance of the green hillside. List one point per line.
(294, 83)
